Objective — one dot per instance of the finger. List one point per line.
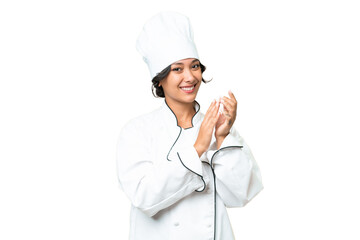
(227, 107)
(212, 111)
(216, 109)
(226, 111)
(210, 107)
(230, 110)
(213, 103)
(232, 96)
(231, 101)
(217, 116)
(229, 104)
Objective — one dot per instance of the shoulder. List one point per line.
(142, 122)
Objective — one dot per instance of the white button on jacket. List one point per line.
(176, 195)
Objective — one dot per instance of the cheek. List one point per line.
(198, 75)
(199, 78)
(169, 84)
(174, 81)
(199, 84)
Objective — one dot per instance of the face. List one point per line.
(183, 82)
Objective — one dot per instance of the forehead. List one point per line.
(185, 61)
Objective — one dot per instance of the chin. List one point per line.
(190, 99)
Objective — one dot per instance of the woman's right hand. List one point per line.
(203, 140)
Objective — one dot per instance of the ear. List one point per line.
(160, 83)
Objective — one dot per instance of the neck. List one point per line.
(184, 113)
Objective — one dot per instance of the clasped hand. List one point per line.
(221, 122)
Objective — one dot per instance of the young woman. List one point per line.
(181, 168)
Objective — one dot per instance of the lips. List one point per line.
(188, 89)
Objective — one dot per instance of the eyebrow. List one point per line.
(179, 63)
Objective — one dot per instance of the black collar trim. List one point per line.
(197, 108)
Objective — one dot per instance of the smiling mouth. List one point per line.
(187, 89)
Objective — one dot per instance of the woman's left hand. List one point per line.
(227, 117)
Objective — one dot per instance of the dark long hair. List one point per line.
(157, 90)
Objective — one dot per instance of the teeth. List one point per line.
(188, 89)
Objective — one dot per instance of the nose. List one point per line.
(189, 76)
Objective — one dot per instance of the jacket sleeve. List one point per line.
(238, 177)
(154, 185)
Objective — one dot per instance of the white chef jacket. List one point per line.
(176, 195)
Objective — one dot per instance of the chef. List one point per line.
(179, 167)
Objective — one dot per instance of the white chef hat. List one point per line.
(166, 38)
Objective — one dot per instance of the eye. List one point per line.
(176, 69)
(196, 66)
